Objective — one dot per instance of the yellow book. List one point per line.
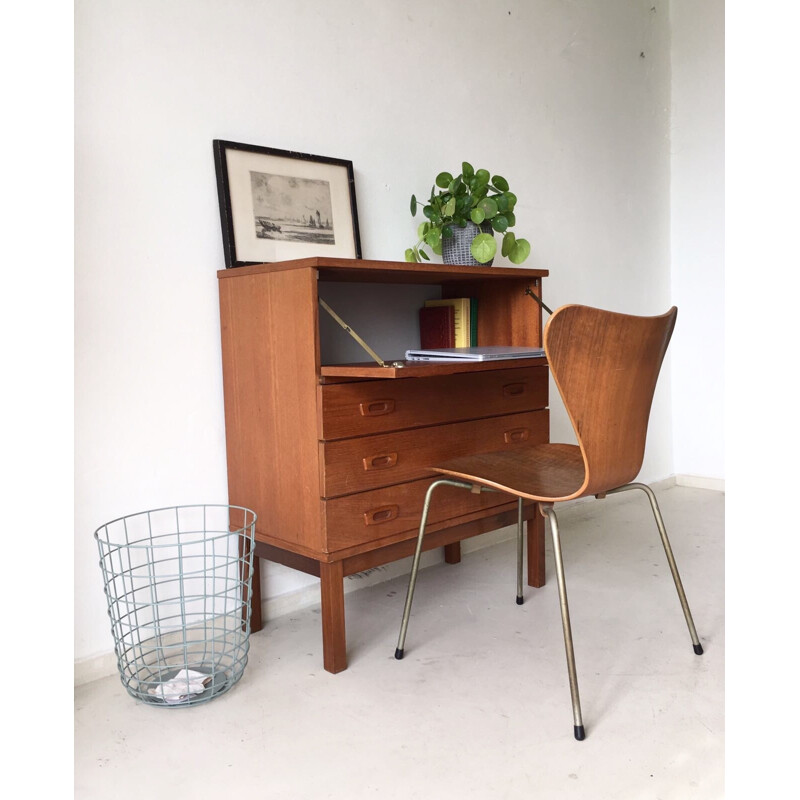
(461, 316)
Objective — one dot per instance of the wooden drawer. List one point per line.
(368, 516)
(367, 407)
(369, 462)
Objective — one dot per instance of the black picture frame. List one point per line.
(276, 205)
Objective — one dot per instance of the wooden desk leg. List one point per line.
(334, 641)
(452, 553)
(536, 550)
(256, 622)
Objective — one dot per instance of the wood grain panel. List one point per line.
(359, 409)
(350, 519)
(369, 462)
(546, 472)
(270, 364)
(606, 366)
(506, 315)
(493, 519)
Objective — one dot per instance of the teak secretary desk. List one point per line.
(332, 457)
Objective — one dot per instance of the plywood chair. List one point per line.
(605, 366)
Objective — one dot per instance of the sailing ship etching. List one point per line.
(292, 209)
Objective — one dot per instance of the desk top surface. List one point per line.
(361, 270)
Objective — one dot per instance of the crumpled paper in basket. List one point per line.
(186, 684)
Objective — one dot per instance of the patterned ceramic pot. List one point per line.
(455, 248)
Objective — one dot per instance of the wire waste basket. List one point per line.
(178, 582)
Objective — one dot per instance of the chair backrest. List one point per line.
(606, 366)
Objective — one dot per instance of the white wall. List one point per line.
(698, 235)
(568, 99)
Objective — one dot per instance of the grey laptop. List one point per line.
(491, 353)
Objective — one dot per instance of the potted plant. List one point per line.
(462, 216)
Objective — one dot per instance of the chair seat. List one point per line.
(543, 472)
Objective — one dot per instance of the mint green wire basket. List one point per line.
(178, 582)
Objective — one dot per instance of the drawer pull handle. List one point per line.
(513, 389)
(382, 514)
(517, 435)
(376, 408)
(383, 461)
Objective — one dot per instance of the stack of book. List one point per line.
(449, 323)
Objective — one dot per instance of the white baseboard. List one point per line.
(93, 668)
(699, 482)
(105, 664)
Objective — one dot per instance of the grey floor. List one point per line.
(479, 707)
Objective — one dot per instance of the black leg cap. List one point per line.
(398, 654)
(698, 649)
(580, 733)
(519, 601)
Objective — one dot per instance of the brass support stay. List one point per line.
(537, 298)
(375, 357)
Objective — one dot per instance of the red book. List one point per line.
(437, 327)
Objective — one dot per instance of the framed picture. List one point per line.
(277, 205)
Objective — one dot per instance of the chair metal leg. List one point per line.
(519, 552)
(412, 581)
(580, 732)
(698, 648)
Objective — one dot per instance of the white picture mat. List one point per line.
(249, 247)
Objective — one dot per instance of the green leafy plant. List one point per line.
(472, 196)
